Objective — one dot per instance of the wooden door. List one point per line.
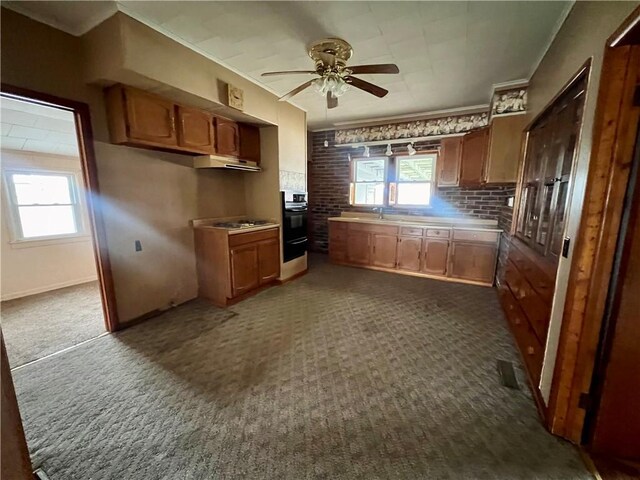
(359, 248)
(436, 254)
(384, 250)
(269, 260)
(244, 269)
(449, 161)
(150, 119)
(249, 142)
(195, 130)
(473, 261)
(474, 156)
(505, 146)
(409, 253)
(227, 137)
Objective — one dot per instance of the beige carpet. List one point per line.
(341, 374)
(38, 325)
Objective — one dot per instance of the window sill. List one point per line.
(47, 241)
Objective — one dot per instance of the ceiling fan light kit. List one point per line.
(330, 56)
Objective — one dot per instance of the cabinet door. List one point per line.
(359, 248)
(249, 142)
(150, 119)
(195, 130)
(227, 138)
(474, 261)
(474, 153)
(244, 269)
(436, 253)
(505, 146)
(384, 250)
(449, 161)
(269, 260)
(409, 252)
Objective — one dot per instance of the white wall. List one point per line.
(39, 266)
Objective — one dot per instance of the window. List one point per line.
(368, 176)
(43, 204)
(414, 180)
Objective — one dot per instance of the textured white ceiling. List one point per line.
(36, 128)
(449, 53)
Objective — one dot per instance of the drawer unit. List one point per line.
(438, 232)
(411, 231)
(475, 235)
(338, 226)
(251, 237)
(540, 281)
(371, 228)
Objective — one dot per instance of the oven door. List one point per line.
(294, 248)
(295, 223)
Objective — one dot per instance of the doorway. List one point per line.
(56, 287)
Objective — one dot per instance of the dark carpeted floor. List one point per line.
(42, 324)
(342, 374)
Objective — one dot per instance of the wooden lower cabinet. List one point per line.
(359, 248)
(474, 261)
(232, 266)
(384, 250)
(409, 253)
(428, 252)
(436, 256)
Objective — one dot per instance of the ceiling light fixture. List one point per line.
(366, 151)
(331, 82)
(410, 149)
(389, 152)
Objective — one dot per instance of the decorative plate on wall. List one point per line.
(235, 97)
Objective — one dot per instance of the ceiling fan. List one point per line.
(335, 77)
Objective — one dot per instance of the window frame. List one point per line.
(393, 183)
(384, 181)
(12, 207)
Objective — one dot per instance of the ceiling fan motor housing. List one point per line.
(330, 54)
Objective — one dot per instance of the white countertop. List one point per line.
(421, 222)
(208, 223)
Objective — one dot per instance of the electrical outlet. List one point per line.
(138, 244)
(510, 202)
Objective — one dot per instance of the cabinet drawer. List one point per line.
(439, 232)
(251, 237)
(338, 226)
(531, 349)
(371, 228)
(411, 231)
(475, 235)
(538, 279)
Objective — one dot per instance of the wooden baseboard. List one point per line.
(293, 277)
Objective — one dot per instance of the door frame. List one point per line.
(615, 127)
(93, 199)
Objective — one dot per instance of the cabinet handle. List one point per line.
(530, 350)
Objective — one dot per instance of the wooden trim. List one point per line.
(93, 199)
(292, 278)
(615, 129)
(630, 22)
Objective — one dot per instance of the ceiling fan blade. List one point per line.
(332, 102)
(379, 68)
(297, 90)
(366, 86)
(288, 72)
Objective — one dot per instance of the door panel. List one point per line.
(384, 250)
(150, 118)
(409, 252)
(474, 156)
(269, 260)
(449, 161)
(244, 269)
(436, 254)
(359, 248)
(195, 129)
(249, 142)
(473, 261)
(227, 138)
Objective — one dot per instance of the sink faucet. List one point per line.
(379, 210)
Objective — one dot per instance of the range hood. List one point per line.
(220, 161)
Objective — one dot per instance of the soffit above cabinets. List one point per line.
(449, 53)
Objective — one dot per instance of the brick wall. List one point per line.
(329, 191)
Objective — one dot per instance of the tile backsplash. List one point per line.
(293, 181)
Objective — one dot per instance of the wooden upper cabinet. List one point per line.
(227, 137)
(195, 129)
(505, 148)
(435, 254)
(409, 251)
(473, 261)
(249, 142)
(137, 117)
(474, 155)
(244, 269)
(269, 260)
(449, 161)
(359, 248)
(384, 250)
